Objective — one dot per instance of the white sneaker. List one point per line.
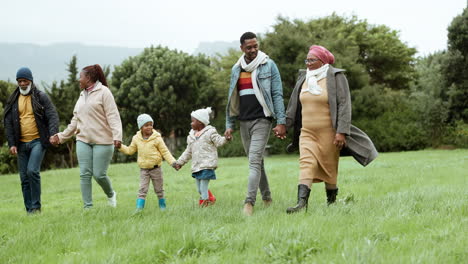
(113, 200)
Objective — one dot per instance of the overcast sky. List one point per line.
(183, 24)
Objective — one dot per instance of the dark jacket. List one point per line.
(358, 144)
(46, 116)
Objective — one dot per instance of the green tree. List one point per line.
(371, 54)
(221, 66)
(6, 89)
(429, 97)
(64, 95)
(456, 67)
(166, 84)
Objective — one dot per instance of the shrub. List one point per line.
(8, 162)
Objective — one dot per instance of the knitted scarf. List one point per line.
(312, 78)
(261, 58)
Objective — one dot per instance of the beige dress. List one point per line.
(318, 155)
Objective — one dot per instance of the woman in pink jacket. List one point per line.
(98, 128)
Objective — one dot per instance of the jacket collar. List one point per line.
(203, 131)
(97, 87)
(331, 70)
(152, 137)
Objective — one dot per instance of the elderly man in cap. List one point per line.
(30, 120)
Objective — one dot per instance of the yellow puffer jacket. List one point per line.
(151, 151)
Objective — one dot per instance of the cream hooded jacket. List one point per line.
(202, 150)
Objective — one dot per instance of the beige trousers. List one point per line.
(155, 175)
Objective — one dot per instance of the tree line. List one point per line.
(402, 101)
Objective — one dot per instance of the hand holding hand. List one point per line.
(340, 140)
(117, 143)
(228, 133)
(176, 166)
(54, 140)
(13, 151)
(280, 131)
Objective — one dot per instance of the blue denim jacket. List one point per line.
(269, 82)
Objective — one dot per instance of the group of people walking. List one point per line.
(319, 110)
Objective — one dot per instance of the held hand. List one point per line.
(228, 133)
(117, 143)
(13, 151)
(176, 166)
(54, 140)
(340, 140)
(280, 131)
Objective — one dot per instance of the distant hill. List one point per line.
(48, 63)
(212, 48)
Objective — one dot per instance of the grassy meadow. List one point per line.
(407, 207)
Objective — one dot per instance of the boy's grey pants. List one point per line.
(255, 134)
(156, 176)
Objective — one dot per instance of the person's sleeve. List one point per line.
(343, 105)
(71, 128)
(277, 95)
(230, 121)
(130, 150)
(165, 152)
(9, 132)
(187, 155)
(112, 115)
(51, 114)
(292, 108)
(217, 139)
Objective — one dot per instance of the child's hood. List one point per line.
(153, 136)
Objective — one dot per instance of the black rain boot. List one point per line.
(331, 195)
(303, 193)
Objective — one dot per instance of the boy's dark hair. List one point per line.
(247, 35)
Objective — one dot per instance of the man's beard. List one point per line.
(25, 91)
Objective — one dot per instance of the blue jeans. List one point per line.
(94, 160)
(202, 188)
(30, 155)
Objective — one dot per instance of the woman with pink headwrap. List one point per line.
(320, 112)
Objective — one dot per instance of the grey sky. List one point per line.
(183, 24)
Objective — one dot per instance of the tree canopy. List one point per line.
(166, 84)
(371, 54)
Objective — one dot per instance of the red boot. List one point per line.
(211, 197)
(205, 203)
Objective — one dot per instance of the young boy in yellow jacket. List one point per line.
(151, 151)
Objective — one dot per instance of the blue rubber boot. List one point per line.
(140, 204)
(162, 204)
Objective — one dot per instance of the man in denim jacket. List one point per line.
(255, 99)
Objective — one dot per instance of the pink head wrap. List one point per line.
(322, 53)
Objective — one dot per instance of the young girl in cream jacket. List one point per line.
(202, 143)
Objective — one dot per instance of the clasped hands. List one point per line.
(55, 141)
(176, 166)
(279, 131)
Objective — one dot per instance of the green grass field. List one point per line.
(408, 207)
